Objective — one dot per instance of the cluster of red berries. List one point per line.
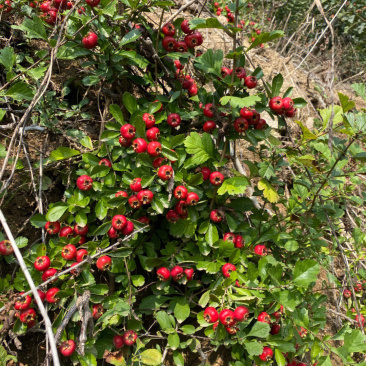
(282, 106)
(188, 83)
(191, 40)
(6, 7)
(176, 273)
(127, 339)
(237, 240)
(53, 228)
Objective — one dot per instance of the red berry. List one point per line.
(185, 27)
(139, 145)
(52, 227)
(105, 162)
(229, 237)
(144, 220)
(42, 295)
(216, 178)
(226, 317)
(288, 104)
(208, 110)
(124, 142)
(90, 41)
(250, 82)
(168, 30)
(129, 338)
(51, 295)
(23, 303)
(172, 216)
(179, 66)
(261, 250)
(225, 71)
(81, 254)
(68, 252)
(149, 120)
(181, 208)
(157, 162)
(154, 148)
(261, 125)
(227, 269)
(84, 183)
(180, 46)
(92, 3)
(239, 242)
(267, 354)
(134, 202)
(128, 131)
(169, 43)
(246, 113)
(241, 125)
(189, 272)
(276, 104)
(240, 72)
(177, 273)
(163, 274)
(104, 263)
(211, 315)
(27, 316)
(275, 329)
(192, 199)
(121, 194)
(128, 229)
(135, 185)
(209, 126)
(81, 230)
(48, 274)
(42, 263)
(119, 222)
(152, 134)
(165, 172)
(174, 120)
(66, 232)
(145, 196)
(291, 112)
(206, 172)
(264, 318)
(241, 313)
(180, 193)
(97, 311)
(216, 216)
(118, 341)
(192, 90)
(68, 347)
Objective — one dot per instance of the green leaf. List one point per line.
(69, 52)
(87, 142)
(56, 212)
(277, 85)
(116, 360)
(210, 62)
(345, 102)
(205, 298)
(110, 7)
(182, 310)
(151, 357)
(306, 134)
(21, 242)
(355, 342)
(198, 23)
(299, 102)
(305, 272)
(360, 89)
(188, 329)
(138, 280)
(38, 221)
(202, 147)
(33, 27)
(183, 228)
(19, 91)
(163, 319)
(117, 113)
(130, 37)
(212, 235)
(2, 147)
(102, 229)
(129, 101)
(280, 359)
(268, 191)
(327, 112)
(237, 102)
(7, 57)
(63, 153)
(173, 341)
(254, 348)
(266, 37)
(234, 185)
(259, 330)
(178, 358)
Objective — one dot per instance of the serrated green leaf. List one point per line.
(202, 147)
(19, 91)
(130, 37)
(182, 310)
(306, 134)
(183, 228)
(7, 57)
(151, 357)
(268, 191)
(33, 27)
(237, 102)
(254, 348)
(305, 272)
(266, 37)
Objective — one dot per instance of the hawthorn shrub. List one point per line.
(180, 242)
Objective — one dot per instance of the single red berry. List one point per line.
(177, 273)
(23, 303)
(226, 317)
(145, 196)
(152, 134)
(128, 131)
(157, 162)
(181, 46)
(144, 220)
(121, 194)
(229, 237)
(275, 329)
(267, 354)
(129, 337)
(66, 232)
(193, 90)
(81, 230)
(225, 71)
(291, 112)
(81, 254)
(139, 145)
(241, 313)
(68, 347)
(68, 252)
(149, 120)
(97, 311)
(104, 263)
(208, 110)
(174, 120)
(90, 41)
(163, 274)
(92, 3)
(135, 185)
(276, 104)
(250, 82)
(231, 329)
(42, 263)
(192, 199)
(239, 242)
(134, 202)
(51, 295)
(118, 341)
(50, 272)
(168, 30)
(264, 318)
(119, 222)
(227, 269)
(52, 227)
(288, 104)
(154, 148)
(178, 65)
(302, 332)
(261, 125)
(181, 208)
(347, 294)
(105, 162)
(240, 72)
(189, 272)
(128, 229)
(172, 216)
(241, 125)
(216, 216)
(165, 172)
(124, 142)
(169, 43)
(358, 287)
(261, 250)
(185, 27)
(209, 126)
(180, 193)
(42, 295)
(84, 183)
(246, 113)
(206, 172)
(211, 315)
(27, 316)
(361, 319)
(216, 178)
